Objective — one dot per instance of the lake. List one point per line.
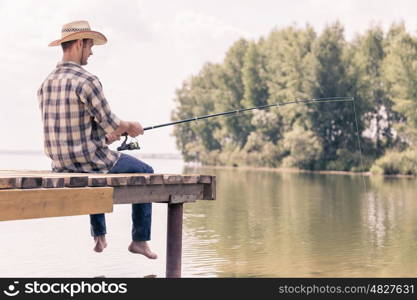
(263, 224)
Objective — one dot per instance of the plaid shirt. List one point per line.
(76, 117)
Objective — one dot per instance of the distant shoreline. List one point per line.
(294, 170)
(21, 152)
(175, 156)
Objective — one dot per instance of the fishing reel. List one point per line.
(133, 145)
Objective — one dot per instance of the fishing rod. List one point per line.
(135, 145)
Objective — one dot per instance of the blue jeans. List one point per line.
(141, 213)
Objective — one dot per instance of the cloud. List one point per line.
(357, 16)
(153, 46)
(201, 36)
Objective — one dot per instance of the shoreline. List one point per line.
(175, 156)
(295, 170)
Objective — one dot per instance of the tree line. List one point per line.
(377, 68)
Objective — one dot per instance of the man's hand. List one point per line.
(134, 129)
(111, 138)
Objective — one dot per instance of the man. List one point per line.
(78, 125)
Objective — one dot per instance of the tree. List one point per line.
(232, 91)
(196, 98)
(289, 72)
(333, 123)
(368, 53)
(400, 70)
(255, 88)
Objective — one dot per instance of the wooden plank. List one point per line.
(117, 180)
(205, 179)
(178, 178)
(53, 182)
(9, 182)
(157, 193)
(209, 192)
(147, 178)
(76, 181)
(97, 181)
(172, 179)
(17, 204)
(29, 182)
(156, 179)
(136, 180)
(190, 179)
(23, 179)
(48, 180)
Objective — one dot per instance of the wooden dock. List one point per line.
(42, 194)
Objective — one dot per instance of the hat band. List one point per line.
(75, 29)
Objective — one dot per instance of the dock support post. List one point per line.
(174, 240)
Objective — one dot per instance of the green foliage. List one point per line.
(333, 123)
(231, 89)
(346, 161)
(255, 88)
(400, 72)
(400, 67)
(368, 56)
(197, 98)
(396, 163)
(304, 149)
(378, 69)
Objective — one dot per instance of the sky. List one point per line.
(153, 46)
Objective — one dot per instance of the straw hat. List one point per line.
(79, 30)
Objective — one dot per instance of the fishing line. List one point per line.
(306, 102)
(327, 100)
(359, 144)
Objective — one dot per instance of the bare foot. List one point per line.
(101, 243)
(141, 247)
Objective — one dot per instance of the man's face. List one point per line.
(86, 51)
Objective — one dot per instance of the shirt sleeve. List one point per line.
(97, 105)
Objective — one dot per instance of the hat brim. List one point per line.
(97, 37)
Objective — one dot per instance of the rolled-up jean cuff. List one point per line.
(97, 233)
(140, 239)
(98, 224)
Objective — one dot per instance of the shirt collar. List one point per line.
(68, 63)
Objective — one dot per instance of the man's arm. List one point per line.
(98, 107)
(132, 129)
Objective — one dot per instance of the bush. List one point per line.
(349, 161)
(304, 149)
(394, 163)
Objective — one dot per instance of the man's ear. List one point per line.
(80, 43)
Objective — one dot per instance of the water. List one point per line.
(263, 224)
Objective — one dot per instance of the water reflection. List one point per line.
(272, 224)
(263, 224)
